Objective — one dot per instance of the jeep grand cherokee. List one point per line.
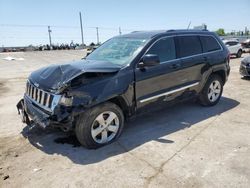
(122, 77)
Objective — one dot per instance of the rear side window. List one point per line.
(209, 44)
(188, 45)
(164, 48)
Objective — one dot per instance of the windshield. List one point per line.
(119, 51)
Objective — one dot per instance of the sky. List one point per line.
(24, 22)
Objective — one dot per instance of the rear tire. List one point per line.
(212, 91)
(239, 53)
(99, 125)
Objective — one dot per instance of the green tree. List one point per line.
(92, 44)
(221, 32)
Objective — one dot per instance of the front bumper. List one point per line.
(244, 70)
(33, 114)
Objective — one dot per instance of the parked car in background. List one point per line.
(234, 47)
(245, 67)
(246, 45)
(126, 75)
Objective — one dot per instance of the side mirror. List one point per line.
(149, 60)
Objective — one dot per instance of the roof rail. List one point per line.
(170, 30)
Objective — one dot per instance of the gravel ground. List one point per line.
(183, 146)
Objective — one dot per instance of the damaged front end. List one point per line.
(52, 97)
(43, 108)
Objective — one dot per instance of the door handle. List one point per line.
(175, 66)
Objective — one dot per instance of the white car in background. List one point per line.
(234, 47)
(246, 45)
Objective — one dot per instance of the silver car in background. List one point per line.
(234, 47)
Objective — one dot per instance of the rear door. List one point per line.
(212, 53)
(189, 50)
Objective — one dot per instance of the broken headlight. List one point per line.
(66, 100)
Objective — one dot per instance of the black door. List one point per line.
(153, 82)
(189, 51)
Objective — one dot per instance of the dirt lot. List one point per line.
(183, 146)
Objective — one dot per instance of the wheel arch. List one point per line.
(213, 71)
(122, 103)
(220, 73)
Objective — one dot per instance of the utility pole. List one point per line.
(120, 31)
(81, 28)
(189, 25)
(97, 35)
(49, 30)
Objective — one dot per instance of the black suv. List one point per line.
(122, 77)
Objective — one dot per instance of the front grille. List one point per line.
(39, 96)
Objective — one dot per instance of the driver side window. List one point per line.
(164, 48)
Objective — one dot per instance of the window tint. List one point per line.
(232, 43)
(188, 45)
(209, 44)
(164, 48)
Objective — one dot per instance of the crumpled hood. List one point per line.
(56, 76)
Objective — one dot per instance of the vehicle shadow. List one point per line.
(151, 126)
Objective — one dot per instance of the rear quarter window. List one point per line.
(209, 44)
(188, 46)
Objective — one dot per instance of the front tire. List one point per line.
(100, 125)
(212, 91)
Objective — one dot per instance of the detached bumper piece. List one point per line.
(22, 112)
(31, 114)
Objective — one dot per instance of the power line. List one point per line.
(20, 25)
(76, 27)
(63, 26)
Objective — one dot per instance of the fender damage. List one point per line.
(86, 82)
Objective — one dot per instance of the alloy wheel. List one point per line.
(105, 127)
(214, 91)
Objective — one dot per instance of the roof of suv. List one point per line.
(151, 34)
